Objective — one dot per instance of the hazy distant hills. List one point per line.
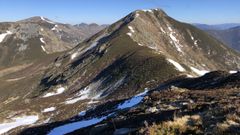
(229, 34)
(230, 37)
(216, 26)
(90, 29)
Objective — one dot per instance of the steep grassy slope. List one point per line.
(118, 58)
(138, 49)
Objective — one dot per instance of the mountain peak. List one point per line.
(93, 25)
(34, 18)
(156, 11)
(37, 19)
(145, 15)
(170, 34)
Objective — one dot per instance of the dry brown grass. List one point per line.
(233, 117)
(232, 120)
(177, 126)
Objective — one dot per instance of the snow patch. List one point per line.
(148, 10)
(173, 37)
(93, 44)
(137, 15)
(57, 92)
(47, 20)
(50, 109)
(41, 39)
(82, 95)
(195, 42)
(176, 42)
(233, 72)
(191, 36)
(74, 55)
(73, 100)
(193, 39)
(131, 29)
(140, 44)
(42, 18)
(108, 89)
(55, 28)
(170, 28)
(129, 34)
(189, 76)
(3, 35)
(93, 102)
(85, 92)
(133, 101)
(67, 128)
(85, 49)
(43, 48)
(18, 121)
(163, 31)
(199, 72)
(177, 65)
(93, 92)
(82, 113)
(153, 47)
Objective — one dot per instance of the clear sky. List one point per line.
(109, 11)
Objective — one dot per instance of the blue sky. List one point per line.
(109, 11)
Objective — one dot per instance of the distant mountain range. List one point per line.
(216, 26)
(230, 37)
(229, 34)
(90, 29)
(34, 38)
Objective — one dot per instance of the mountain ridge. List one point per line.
(34, 37)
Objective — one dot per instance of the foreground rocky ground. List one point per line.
(178, 111)
(165, 110)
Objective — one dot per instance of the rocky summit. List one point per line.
(145, 74)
